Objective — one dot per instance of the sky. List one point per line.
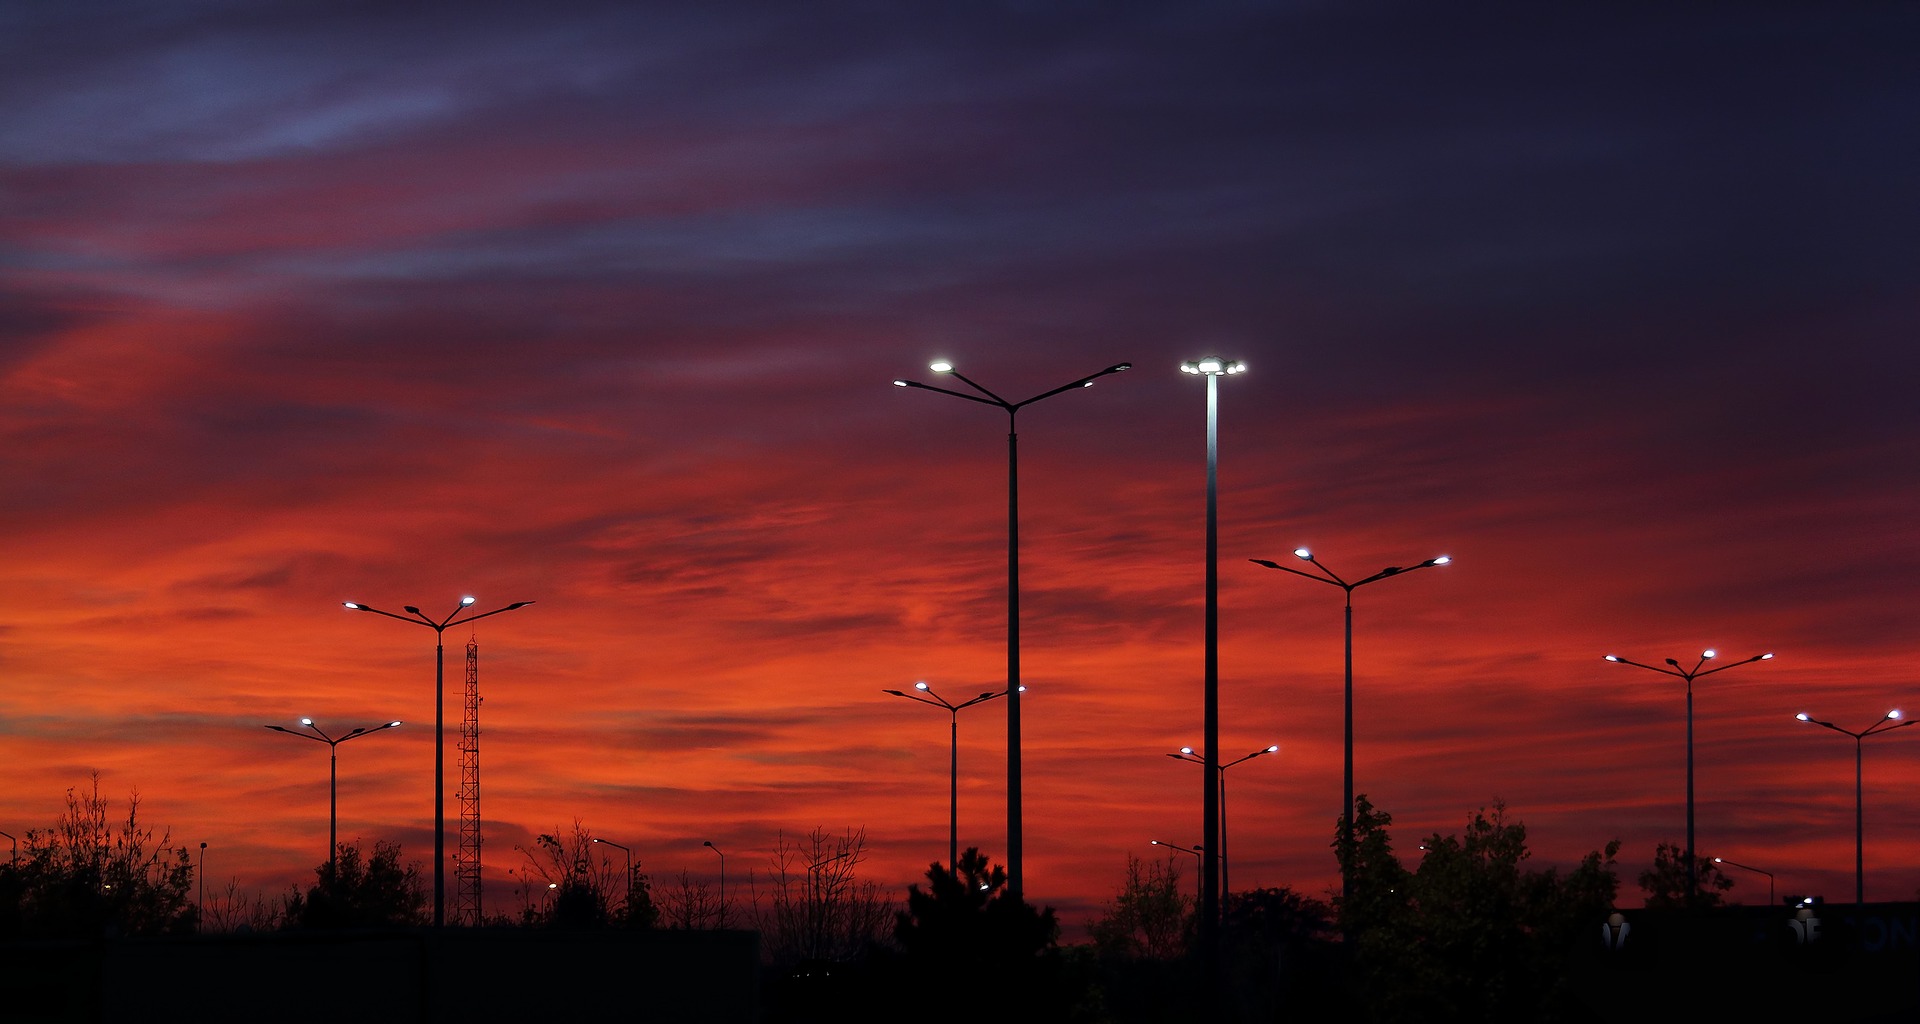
(597, 306)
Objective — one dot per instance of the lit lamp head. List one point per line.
(940, 366)
(1213, 366)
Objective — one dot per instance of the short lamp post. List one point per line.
(1187, 754)
(953, 757)
(1887, 723)
(1322, 574)
(1016, 879)
(723, 880)
(333, 774)
(629, 854)
(1199, 855)
(1757, 871)
(439, 627)
(1689, 675)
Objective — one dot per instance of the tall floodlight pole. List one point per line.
(1326, 575)
(1887, 723)
(439, 627)
(333, 774)
(1212, 368)
(1016, 884)
(953, 758)
(1690, 674)
(1187, 754)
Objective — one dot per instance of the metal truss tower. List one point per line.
(466, 858)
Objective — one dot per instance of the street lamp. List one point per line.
(723, 880)
(333, 773)
(1015, 880)
(1197, 851)
(1212, 368)
(201, 874)
(629, 897)
(1187, 754)
(1690, 674)
(953, 758)
(439, 627)
(1326, 575)
(1757, 871)
(1887, 723)
(16, 847)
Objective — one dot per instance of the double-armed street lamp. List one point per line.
(1757, 871)
(1887, 723)
(1212, 368)
(1187, 754)
(953, 757)
(333, 773)
(439, 627)
(1015, 879)
(1689, 675)
(1326, 575)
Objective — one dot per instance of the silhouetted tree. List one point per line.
(88, 876)
(351, 892)
(585, 887)
(689, 904)
(1281, 953)
(812, 905)
(965, 925)
(1666, 882)
(1148, 917)
(1475, 936)
(1379, 882)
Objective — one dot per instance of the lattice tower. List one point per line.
(466, 858)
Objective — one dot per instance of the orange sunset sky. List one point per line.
(597, 306)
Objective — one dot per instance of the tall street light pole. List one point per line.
(1690, 674)
(333, 774)
(1326, 575)
(1187, 754)
(1016, 884)
(439, 627)
(1212, 368)
(953, 758)
(1887, 723)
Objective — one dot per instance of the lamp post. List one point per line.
(953, 758)
(628, 898)
(439, 627)
(1187, 754)
(1015, 880)
(16, 847)
(1887, 723)
(723, 880)
(201, 874)
(1757, 871)
(333, 773)
(1326, 575)
(1689, 675)
(1212, 368)
(1197, 852)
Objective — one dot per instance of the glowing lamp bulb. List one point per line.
(1186, 750)
(1709, 653)
(940, 366)
(920, 686)
(1803, 717)
(465, 601)
(1303, 553)
(1443, 560)
(1894, 714)
(306, 721)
